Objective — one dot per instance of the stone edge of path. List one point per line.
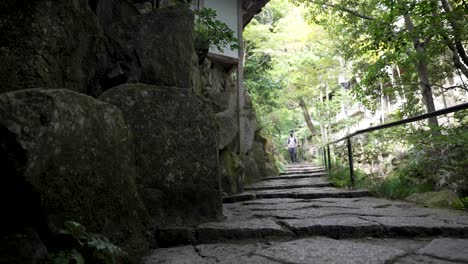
(354, 227)
(397, 250)
(285, 187)
(294, 176)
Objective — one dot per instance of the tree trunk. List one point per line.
(421, 66)
(456, 32)
(456, 60)
(426, 88)
(306, 114)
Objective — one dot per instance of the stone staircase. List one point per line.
(298, 217)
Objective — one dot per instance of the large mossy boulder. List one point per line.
(218, 85)
(252, 172)
(232, 172)
(49, 44)
(56, 44)
(228, 127)
(111, 11)
(66, 156)
(163, 43)
(248, 127)
(176, 151)
(444, 198)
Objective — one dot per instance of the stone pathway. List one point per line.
(298, 217)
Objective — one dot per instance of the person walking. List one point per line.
(292, 146)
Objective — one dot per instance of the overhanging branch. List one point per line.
(350, 11)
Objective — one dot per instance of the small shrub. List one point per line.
(461, 204)
(398, 187)
(209, 29)
(86, 247)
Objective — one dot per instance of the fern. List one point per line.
(90, 247)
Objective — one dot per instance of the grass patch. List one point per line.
(392, 187)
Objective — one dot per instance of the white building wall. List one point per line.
(226, 11)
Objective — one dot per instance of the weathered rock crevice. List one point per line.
(218, 87)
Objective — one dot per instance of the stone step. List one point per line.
(290, 184)
(295, 166)
(294, 176)
(246, 196)
(332, 227)
(312, 193)
(318, 250)
(297, 193)
(337, 218)
(305, 169)
(301, 171)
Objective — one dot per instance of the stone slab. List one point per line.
(312, 193)
(290, 208)
(409, 245)
(343, 227)
(314, 250)
(176, 255)
(250, 259)
(253, 228)
(174, 236)
(227, 252)
(294, 176)
(290, 184)
(330, 251)
(255, 208)
(419, 226)
(447, 248)
(418, 259)
(288, 172)
(238, 198)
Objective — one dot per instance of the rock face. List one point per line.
(60, 50)
(227, 126)
(231, 172)
(66, 156)
(111, 11)
(217, 85)
(163, 43)
(61, 44)
(176, 152)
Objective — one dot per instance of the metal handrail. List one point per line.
(327, 161)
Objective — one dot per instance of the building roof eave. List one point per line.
(250, 8)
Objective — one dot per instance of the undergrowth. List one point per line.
(411, 159)
(80, 246)
(393, 187)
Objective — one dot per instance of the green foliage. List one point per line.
(393, 187)
(216, 32)
(398, 187)
(86, 247)
(71, 256)
(375, 36)
(417, 158)
(461, 204)
(280, 166)
(440, 157)
(288, 63)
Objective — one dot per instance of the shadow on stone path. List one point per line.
(298, 217)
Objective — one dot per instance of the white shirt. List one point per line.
(292, 142)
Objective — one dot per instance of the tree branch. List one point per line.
(456, 32)
(350, 11)
(450, 87)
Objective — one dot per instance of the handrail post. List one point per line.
(350, 159)
(325, 158)
(329, 158)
